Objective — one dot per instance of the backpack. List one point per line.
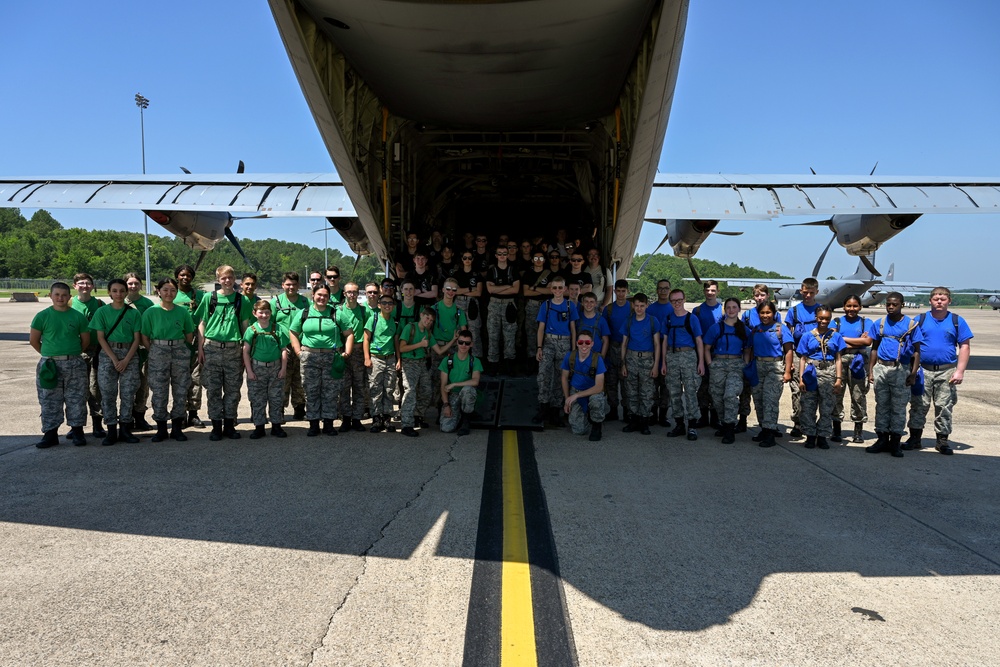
(451, 363)
(739, 329)
(213, 303)
(954, 323)
(273, 334)
(822, 340)
(760, 328)
(305, 315)
(592, 372)
(686, 325)
(563, 314)
(652, 324)
(905, 347)
(836, 321)
(800, 325)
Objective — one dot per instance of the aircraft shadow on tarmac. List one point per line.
(979, 362)
(17, 337)
(674, 536)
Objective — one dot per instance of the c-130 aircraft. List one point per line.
(434, 116)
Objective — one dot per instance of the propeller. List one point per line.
(201, 258)
(641, 268)
(694, 272)
(868, 265)
(819, 262)
(236, 244)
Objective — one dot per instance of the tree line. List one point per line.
(39, 247)
(676, 270)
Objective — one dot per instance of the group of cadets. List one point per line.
(400, 349)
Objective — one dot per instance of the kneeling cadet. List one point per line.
(459, 373)
(583, 387)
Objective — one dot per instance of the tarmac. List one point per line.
(360, 549)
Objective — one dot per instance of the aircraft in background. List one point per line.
(436, 117)
(870, 288)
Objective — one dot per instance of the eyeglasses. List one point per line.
(538, 259)
(465, 343)
(584, 341)
(677, 301)
(350, 291)
(501, 254)
(480, 240)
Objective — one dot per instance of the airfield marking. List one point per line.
(517, 620)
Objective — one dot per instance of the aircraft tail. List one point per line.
(891, 275)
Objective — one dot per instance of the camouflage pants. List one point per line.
(767, 393)
(322, 391)
(823, 399)
(858, 390)
(939, 391)
(745, 395)
(267, 391)
(292, 389)
(460, 401)
(529, 327)
(70, 391)
(683, 383)
(613, 378)
(726, 384)
(661, 397)
(223, 375)
(93, 384)
(640, 385)
(354, 386)
(704, 391)
(496, 323)
(194, 389)
(436, 375)
(475, 325)
(113, 384)
(382, 384)
(549, 371)
(416, 390)
(891, 397)
(794, 387)
(169, 372)
(141, 402)
(579, 419)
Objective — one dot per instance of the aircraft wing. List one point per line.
(906, 289)
(762, 197)
(782, 286)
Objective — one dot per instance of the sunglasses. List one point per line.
(584, 341)
(450, 289)
(466, 258)
(386, 303)
(501, 254)
(333, 277)
(465, 343)
(577, 259)
(315, 280)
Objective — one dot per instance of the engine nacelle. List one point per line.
(200, 230)
(864, 234)
(686, 236)
(353, 233)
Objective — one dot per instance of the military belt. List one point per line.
(163, 342)
(891, 363)
(938, 367)
(222, 344)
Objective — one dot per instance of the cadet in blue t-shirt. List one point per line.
(640, 362)
(708, 313)
(615, 314)
(820, 347)
(801, 318)
(726, 353)
(684, 363)
(583, 373)
(556, 318)
(660, 309)
(761, 294)
(893, 368)
(591, 319)
(856, 330)
(771, 345)
(944, 355)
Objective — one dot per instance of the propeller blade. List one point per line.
(201, 258)
(812, 170)
(715, 231)
(185, 170)
(816, 223)
(236, 244)
(868, 264)
(239, 168)
(874, 168)
(641, 268)
(357, 260)
(694, 272)
(819, 262)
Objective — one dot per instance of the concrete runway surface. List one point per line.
(360, 549)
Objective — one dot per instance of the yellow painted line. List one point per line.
(517, 621)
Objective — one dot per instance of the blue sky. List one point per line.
(764, 87)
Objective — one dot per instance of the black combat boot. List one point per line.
(704, 421)
(229, 429)
(810, 442)
(410, 432)
(125, 430)
(313, 428)
(299, 412)
(216, 433)
(768, 439)
(663, 420)
(377, 424)
(728, 433)
(139, 422)
(193, 421)
(98, 430)
(356, 425)
(692, 432)
(644, 426)
(881, 445)
(277, 431)
(632, 426)
(895, 447)
(795, 433)
(49, 439)
(822, 443)
(76, 436)
(941, 444)
(112, 435)
(258, 432)
(328, 428)
(612, 415)
(859, 432)
(761, 436)
(464, 427)
(741, 425)
(161, 431)
(836, 437)
(679, 429)
(913, 442)
(595, 431)
(177, 430)
(654, 414)
(713, 418)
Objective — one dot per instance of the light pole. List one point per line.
(143, 104)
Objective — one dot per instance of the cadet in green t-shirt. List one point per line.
(449, 319)
(189, 297)
(117, 328)
(142, 303)
(284, 308)
(222, 317)
(60, 334)
(167, 331)
(459, 377)
(87, 305)
(382, 363)
(265, 355)
(415, 343)
(353, 394)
